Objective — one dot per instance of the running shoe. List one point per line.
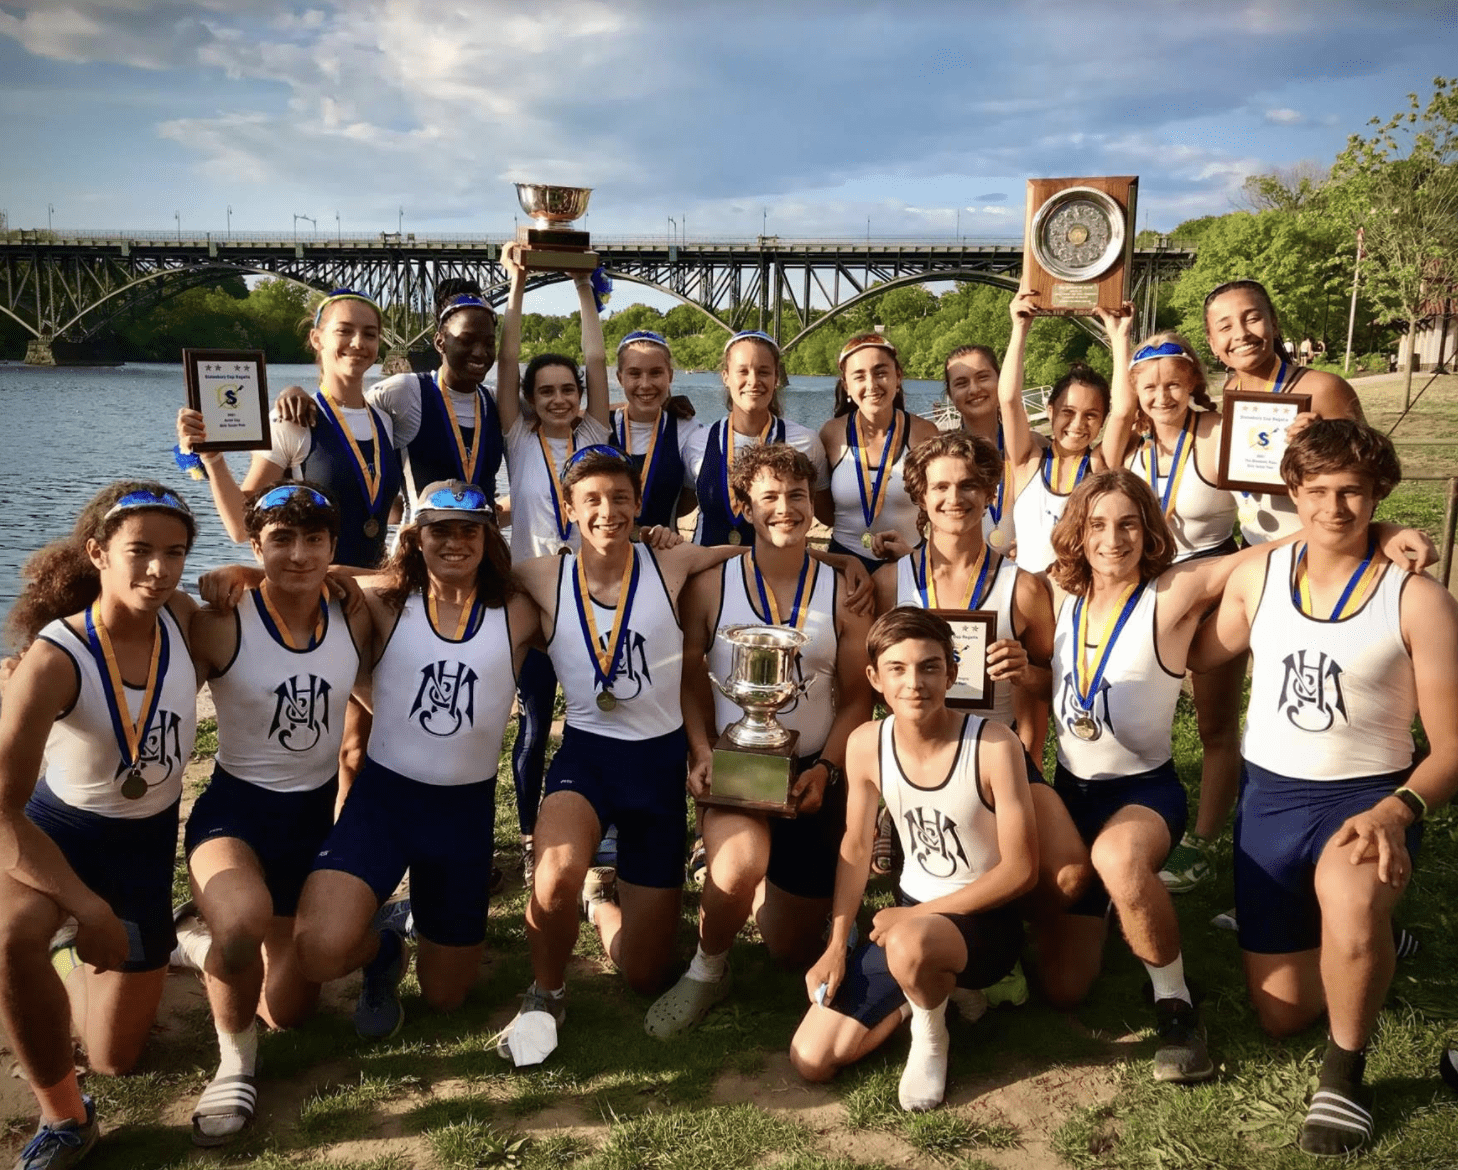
(378, 1012)
(1011, 989)
(535, 1000)
(601, 885)
(1182, 1056)
(1187, 866)
(1448, 1064)
(61, 1144)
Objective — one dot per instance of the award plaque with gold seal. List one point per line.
(552, 245)
(1078, 242)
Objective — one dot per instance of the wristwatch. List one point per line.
(834, 773)
(1415, 803)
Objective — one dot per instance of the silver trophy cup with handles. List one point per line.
(754, 760)
(552, 245)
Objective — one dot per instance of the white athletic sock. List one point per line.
(708, 968)
(924, 1080)
(1169, 981)
(239, 1051)
(194, 941)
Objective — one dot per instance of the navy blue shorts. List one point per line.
(126, 863)
(862, 554)
(805, 850)
(1035, 773)
(637, 785)
(1092, 802)
(1281, 826)
(441, 833)
(285, 830)
(869, 993)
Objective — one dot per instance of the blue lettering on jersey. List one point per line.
(1311, 693)
(301, 713)
(633, 675)
(1069, 710)
(934, 842)
(161, 749)
(446, 699)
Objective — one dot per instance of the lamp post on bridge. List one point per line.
(338, 230)
(400, 225)
(230, 221)
(177, 215)
(50, 211)
(309, 219)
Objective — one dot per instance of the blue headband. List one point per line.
(463, 301)
(643, 335)
(144, 498)
(342, 294)
(1165, 349)
(752, 335)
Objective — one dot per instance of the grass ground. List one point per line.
(1030, 1087)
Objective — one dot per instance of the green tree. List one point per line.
(1400, 187)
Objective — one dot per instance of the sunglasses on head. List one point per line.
(598, 449)
(865, 341)
(277, 497)
(148, 499)
(1162, 350)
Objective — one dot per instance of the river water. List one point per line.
(72, 430)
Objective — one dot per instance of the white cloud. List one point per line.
(1285, 117)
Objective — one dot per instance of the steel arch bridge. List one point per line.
(69, 285)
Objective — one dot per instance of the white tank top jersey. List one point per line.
(812, 713)
(1037, 509)
(647, 682)
(280, 710)
(1265, 518)
(999, 600)
(797, 435)
(534, 530)
(1202, 516)
(948, 833)
(1135, 704)
(84, 766)
(1329, 700)
(898, 513)
(441, 706)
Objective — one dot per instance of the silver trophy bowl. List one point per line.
(552, 206)
(761, 681)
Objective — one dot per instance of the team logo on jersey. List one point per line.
(633, 676)
(300, 712)
(161, 750)
(1311, 693)
(1069, 710)
(446, 699)
(934, 842)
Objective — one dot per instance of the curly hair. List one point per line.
(1342, 444)
(60, 578)
(1071, 571)
(299, 511)
(406, 575)
(904, 623)
(981, 456)
(776, 407)
(779, 459)
(1199, 393)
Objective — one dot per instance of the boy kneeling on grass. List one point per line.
(956, 787)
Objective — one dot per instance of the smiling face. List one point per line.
(871, 379)
(603, 505)
(646, 375)
(1242, 330)
(467, 343)
(972, 387)
(751, 375)
(1335, 507)
(556, 397)
(294, 559)
(453, 550)
(913, 675)
(780, 508)
(1165, 386)
(142, 562)
(347, 339)
(1077, 416)
(954, 503)
(1113, 537)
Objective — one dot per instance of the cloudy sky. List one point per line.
(807, 116)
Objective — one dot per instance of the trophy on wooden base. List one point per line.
(754, 761)
(552, 245)
(1078, 243)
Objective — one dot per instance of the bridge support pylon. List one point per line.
(39, 353)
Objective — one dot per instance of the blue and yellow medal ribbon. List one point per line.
(623, 432)
(1085, 679)
(371, 477)
(130, 734)
(605, 660)
(467, 458)
(471, 609)
(1052, 469)
(735, 511)
(1274, 385)
(770, 608)
(554, 484)
(273, 621)
(1183, 452)
(994, 508)
(977, 580)
(874, 481)
(1359, 584)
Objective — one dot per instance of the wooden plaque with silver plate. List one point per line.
(1078, 243)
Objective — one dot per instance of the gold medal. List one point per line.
(997, 538)
(606, 701)
(1086, 728)
(734, 537)
(636, 534)
(134, 787)
(371, 528)
(867, 540)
